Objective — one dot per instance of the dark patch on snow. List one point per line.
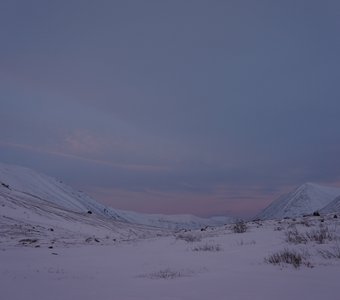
(5, 185)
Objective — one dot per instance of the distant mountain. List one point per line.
(334, 206)
(42, 187)
(306, 199)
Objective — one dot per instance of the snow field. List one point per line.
(169, 268)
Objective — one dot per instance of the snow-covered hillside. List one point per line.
(28, 219)
(40, 186)
(334, 206)
(306, 199)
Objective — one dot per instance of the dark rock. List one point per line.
(5, 185)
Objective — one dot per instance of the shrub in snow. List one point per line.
(293, 236)
(247, 243)
(239, 227)
(305, 223)
(165, 274)
(332, 253)
(289, 257)
(320, 236)
(28, 241)
(90, 239)
(208, 247)
(189, 237)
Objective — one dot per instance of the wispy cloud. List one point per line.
(131, 167)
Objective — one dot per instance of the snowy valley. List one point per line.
(57, 243)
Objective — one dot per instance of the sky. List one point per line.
(200, 107)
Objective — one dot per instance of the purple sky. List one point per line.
(202, 107)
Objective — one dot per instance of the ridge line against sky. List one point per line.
(201, 107)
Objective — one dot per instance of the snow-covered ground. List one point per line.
(213, 264)
(53, 247)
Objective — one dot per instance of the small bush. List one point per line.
(287, 256)
(28, 241)
(331, 254)
(208, 247)
(305, 223)
(240, 227)
(189, 237)
(293, 236)
(320, 236)
(90, 239)
(165, 274)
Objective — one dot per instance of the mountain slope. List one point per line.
(305, 199)
(28, 220)
(334, 206)
(46, 188)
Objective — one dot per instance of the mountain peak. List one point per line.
(310, 185)
(305, 199)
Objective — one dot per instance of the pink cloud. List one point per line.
(82, 142)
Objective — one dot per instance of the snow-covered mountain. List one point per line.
(334, 206)
(40, 186)
(306, 199)
(25, 218)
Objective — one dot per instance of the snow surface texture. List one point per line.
(36, 185)
(305, 200)
(218, 264)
